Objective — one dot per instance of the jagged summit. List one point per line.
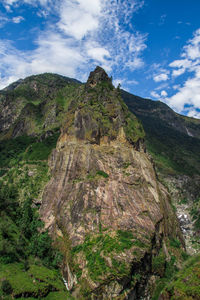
(96, 76)
(98, 113)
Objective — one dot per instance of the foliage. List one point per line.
(37, 282)
(158, 263)
(185, 284)
(195, 213)
(102, 173)
(20, 231)
(173, 151)
(97, 249)
(41, 150)
(133, 128)
(175, 243)
(166, 268)
(6, 287)
(12, 151)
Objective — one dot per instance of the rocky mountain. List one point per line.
(78, 153)
(173, 141)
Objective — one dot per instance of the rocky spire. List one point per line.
(96, 76)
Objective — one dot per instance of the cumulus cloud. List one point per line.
(77, 18)
(155, 95)
(85, 33)
(188, 94)
(161, 77)
(17, 19)
(194, 114)
(163, 93)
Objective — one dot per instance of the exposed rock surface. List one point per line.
(105, 198)
(184, 192)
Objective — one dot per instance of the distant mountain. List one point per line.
(172, 139)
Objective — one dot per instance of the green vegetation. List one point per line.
(98, 249)
(166, 267)
(175, 243)
(36, 103)
(133, 128)
(41, 150)
(36, 282)
(195, 212)
(159, 263)
(29, 262)
(20, 232)
(105, 113)
(173, 151)
(25, 148)
(185, 283)
(12, 150)
(102, 173)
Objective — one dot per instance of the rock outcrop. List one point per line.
(104, 202)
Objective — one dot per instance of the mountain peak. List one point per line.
(96, 76)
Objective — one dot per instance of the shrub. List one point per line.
(6, 287)
(158, 264)
(102, 173)
(175, 243)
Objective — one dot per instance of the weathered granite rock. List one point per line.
(104, 198)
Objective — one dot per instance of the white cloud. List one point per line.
(161, 77)
(99, 55)
(188, 94)
(77, 18)
(134, 64)
(86, 33)
(124, 83)
(18, 19)
(155, 95)
(194, 114)
(129, 82)
(118, 81)
(4, 20)
(163, 93)
(178, 72)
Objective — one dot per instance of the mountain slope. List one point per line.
(104, 196)
(172, 139)
(35, 105)
(99, 195)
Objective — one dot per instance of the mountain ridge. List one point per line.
(106, 208)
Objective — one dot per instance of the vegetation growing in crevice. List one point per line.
(165, 266)
(102, 254)
(185, 283)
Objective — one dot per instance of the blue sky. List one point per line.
(152, 47)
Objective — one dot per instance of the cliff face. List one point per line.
(173, 141)
(103, 201)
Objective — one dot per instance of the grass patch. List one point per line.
(102, 173)
(97, 249)
(175, 243)
(37, 282)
